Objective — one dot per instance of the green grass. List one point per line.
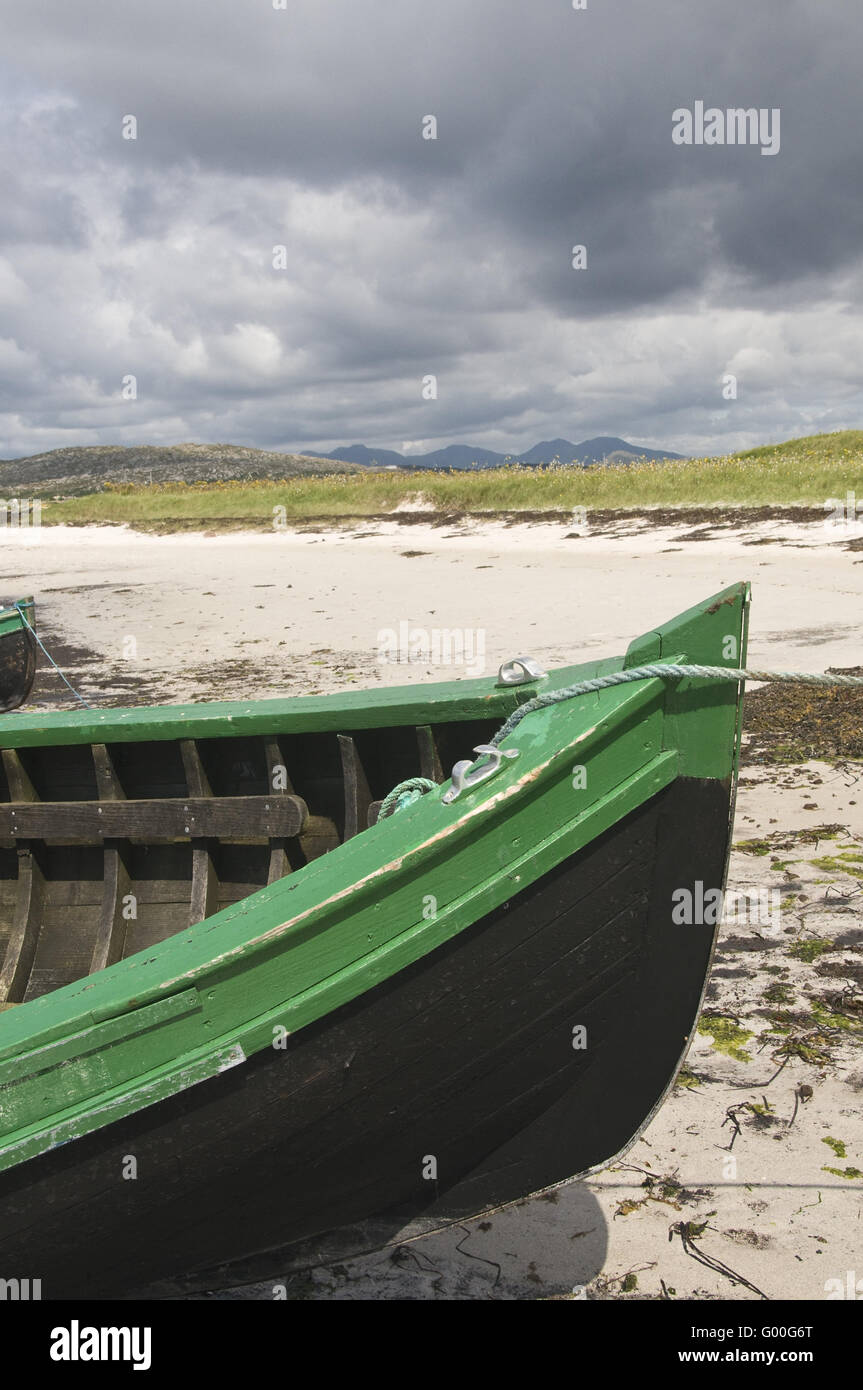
(803, 471)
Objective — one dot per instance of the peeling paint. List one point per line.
(235, 1058)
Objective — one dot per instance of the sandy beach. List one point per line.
(295, 611)
(747, 1182)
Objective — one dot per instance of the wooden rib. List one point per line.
(24, 937)
(20, 786)
(108, 785)
(204, 896)
(111, 933)
(317, 835)
(280, 863)
(116, 883)
(196, 777)
(26, 920)
(356, 788)
(430, 763)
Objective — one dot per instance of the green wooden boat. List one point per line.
(17, 653)
(244, 1029)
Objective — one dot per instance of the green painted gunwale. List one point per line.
(11, 620)
(203, 1000)
(362, 709)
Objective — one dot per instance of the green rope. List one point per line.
(665, 672)
(405, 794)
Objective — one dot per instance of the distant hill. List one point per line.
(466, 456)
(550, 449)
(364, 457)
(604, 448)
(89, 467)
(456, 456)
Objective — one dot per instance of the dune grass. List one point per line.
(800, 472)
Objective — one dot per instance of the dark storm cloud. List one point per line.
(259, 127)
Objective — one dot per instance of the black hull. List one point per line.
(465, 1058)
(17, 668)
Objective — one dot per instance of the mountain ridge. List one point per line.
(467, 456)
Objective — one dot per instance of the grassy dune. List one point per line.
(801, 472)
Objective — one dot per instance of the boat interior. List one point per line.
(108, 848)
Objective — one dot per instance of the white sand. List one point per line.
(308, 609)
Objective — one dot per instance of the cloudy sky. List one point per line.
(405, 257)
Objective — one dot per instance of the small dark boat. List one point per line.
(17, 653)
(248, 1025)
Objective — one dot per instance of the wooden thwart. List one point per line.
(166, 818)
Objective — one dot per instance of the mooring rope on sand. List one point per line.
(398, 800)
(41, 645)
